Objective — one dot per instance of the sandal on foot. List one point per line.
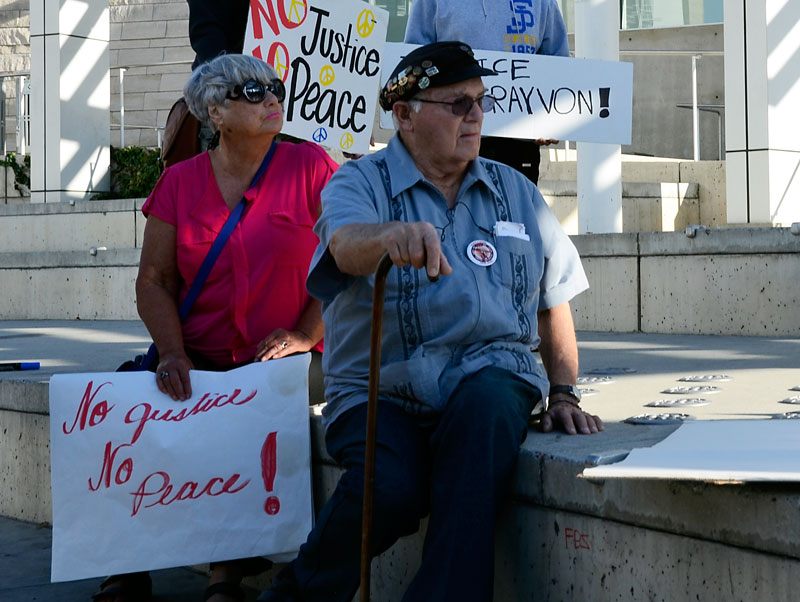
(131, 587)
(231, 590)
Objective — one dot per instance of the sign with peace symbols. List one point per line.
(328, 53)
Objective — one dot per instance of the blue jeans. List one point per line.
(456, 467)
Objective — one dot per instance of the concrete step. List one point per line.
(734, 281)
(646, 206)
(560, 537)
(40, 227)
(67, 285)
(709, 176)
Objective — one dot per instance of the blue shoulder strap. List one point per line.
(219, 242)
(200, 279)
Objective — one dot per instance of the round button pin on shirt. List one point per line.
(482, 253)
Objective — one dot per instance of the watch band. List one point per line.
(571, 390)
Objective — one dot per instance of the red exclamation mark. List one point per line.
(268, 468)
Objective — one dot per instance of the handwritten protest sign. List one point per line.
(142, 482)
(328, 53)
(542, 96)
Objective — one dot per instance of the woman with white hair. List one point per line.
(253, 305)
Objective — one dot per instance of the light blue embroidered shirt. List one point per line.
(435, 333)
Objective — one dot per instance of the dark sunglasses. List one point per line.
(463, 105)
(254, 91)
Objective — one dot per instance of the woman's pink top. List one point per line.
(258, 281)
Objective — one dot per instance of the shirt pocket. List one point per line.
(193, 243)
(289, 238)
(520, 268)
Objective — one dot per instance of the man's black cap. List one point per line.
(430, 66)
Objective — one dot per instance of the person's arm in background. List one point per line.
(553, 35)
(421, 26)
(216, 27)
(205, 31)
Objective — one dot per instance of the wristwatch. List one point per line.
(571, 390)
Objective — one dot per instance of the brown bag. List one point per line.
(180, 134)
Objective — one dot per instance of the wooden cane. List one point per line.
(372, 420)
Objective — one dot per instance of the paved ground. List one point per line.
(761, 372)
(25, 571)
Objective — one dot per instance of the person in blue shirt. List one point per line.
(459, 373)
(526, 26)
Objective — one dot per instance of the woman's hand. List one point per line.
(280, 343)
(172, 376)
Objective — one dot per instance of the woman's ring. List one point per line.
(284, 344)
(163, 374)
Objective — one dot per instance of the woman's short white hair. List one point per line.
(210, 82)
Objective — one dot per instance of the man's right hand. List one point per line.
(416, 243)
(357, 248)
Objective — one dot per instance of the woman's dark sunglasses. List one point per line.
(463, 105)
(254, 91)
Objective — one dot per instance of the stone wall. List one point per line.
(15, 55)
(147, 32)
(143, 32)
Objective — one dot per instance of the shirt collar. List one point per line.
(404, 173)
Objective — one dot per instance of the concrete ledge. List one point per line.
(91, 207)
(726, 241)
(731, 281)
(561, 537)
(564, 538)
(607, 245)
(70, 259)
(38, 227)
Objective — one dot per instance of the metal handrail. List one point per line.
(696, 56)
(158, 128)
(23, 110)
(709, 108)
(122, 70)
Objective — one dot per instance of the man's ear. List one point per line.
(402, 112)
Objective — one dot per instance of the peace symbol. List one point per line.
(366, 23)
(294, 11)
(326, 76)
(320, 135)
(346, 141)
(279, 59)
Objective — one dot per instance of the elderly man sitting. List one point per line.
(459, 375)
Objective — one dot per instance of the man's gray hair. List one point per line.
(414, 104)
(210, 82)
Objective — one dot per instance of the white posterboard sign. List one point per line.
(328, 53)
(716, 450)
(541, 96)
(141, 482)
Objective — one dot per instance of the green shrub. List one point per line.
(134, 172)
(22, 172)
